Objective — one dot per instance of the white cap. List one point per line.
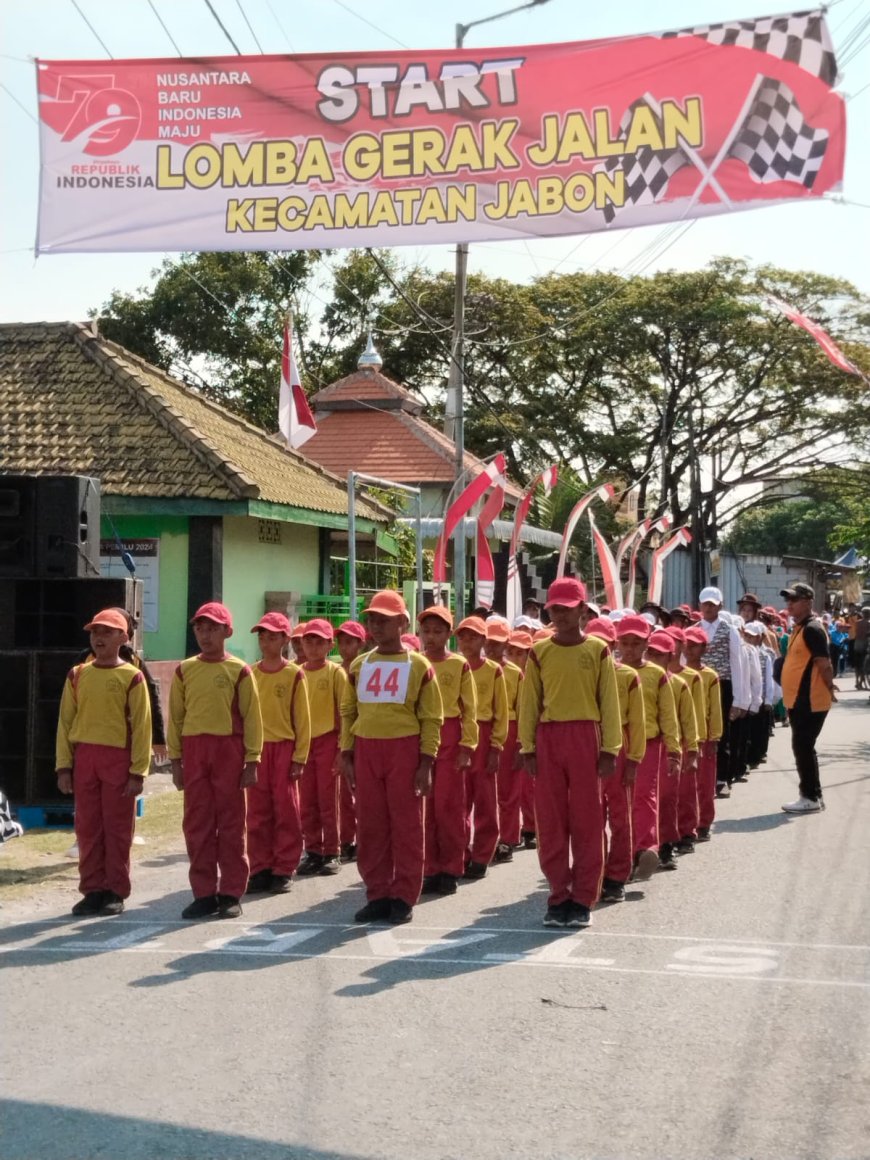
(754, 628)
(616, 614)
(713, 594)
(495, 618)
(648, 616)
(593, 608)
(527, 622)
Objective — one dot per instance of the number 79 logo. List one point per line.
(87, 107)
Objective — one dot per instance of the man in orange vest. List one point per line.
(808, 691)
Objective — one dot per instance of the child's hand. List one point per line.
(159, 752)
(464, 761)
(249, 775)
(423, 777)
(133, 787)
(492, 761)
(629, 773)
(297, 768)
(691, 765)
(64, 780)
(606, 764)
(530, 760)
(177, 774)
(674, 761)
(347, 768)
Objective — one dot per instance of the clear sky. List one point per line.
(826, 236)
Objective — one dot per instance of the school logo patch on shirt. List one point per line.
(446, 679)
(281, 690)
(222, 681)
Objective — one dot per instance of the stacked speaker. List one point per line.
(50, 585)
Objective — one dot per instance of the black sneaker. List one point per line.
(686, 845)
(309, 865)
(474, 871)
(723, 789)
(348, 852)
(431, 884)
(330, 865)
(400, 912)
(667, 861)
(378, 910)
(530, 840)
(579, 915)
(743, 777)
(645, 863)
(703, 834)
(280, 884)
(260, 883)
(503, 853)
(91, 904)
(228, 906)
(446, 883)
(201, 907)
(113, 904)
(557, 915)
(612, 891)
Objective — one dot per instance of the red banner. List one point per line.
(458, 145)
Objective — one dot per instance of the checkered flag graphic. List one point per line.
(648, 171)
(775, 141)
(801, 38)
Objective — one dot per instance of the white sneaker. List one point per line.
(803, 806)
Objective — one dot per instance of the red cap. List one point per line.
(661, 642)
(387, 603)
(215, 611)
(409, 640)
(273, 622)
(541, 634)
(110, 618)
(352, 628)
(472, 624)
(694, 616)
(567, 591)
(696, 636)
(520, 639)
(633, 626)
(686, 607)
(678, 634)
(497, 630)
(299, 630)
(438, 611)
(321, 628)
(597, 626)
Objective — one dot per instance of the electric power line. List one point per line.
(93, 30)
(280, 25)
(220, 25)
(359, 16)
(250, 26)
(153, 8)
(20, 104)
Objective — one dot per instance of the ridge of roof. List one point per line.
(442, 444)
(339, 391)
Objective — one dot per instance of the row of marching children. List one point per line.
(595, 745)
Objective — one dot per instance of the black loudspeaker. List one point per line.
(49, 526)
(50, 614)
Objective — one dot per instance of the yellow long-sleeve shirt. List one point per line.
(419, 713)
(633, 713)
(492, 704)
(513, 680)
(284, 707)
(686, 717)
(105, 706)
(571, 683)
(710, 720)
(215, 697)
(325, 690)
(458, 695)
(660, 706)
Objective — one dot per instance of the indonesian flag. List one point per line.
(609, 570)
(492, 474)
(605, 492)
(679, 539)
(821, 336)
(484, 588)
(295, 421)
(660, 525)
(548, 480)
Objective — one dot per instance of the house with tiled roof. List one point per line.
(231, 513)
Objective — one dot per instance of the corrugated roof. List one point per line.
(75, 403)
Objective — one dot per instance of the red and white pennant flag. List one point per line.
(605, 492)
(492, 475)
(295, 421)
(609, 569)
(547, 479)
(821, 336)
(660, 525)
(679, 539)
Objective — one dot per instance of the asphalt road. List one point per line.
(721, 1012)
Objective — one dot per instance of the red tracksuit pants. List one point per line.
(214, 814)
(481, 802)
(445, 807)
(346, 813)
(687, 806)
(390, 817)
(616, 800)
(318, 797)
(707, 784)
(669, 801)
(104, 818)
(274, 825)
(568, 809)
(645, 803)
(510, 782)
(530, 826)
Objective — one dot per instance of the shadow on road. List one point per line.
(752, 825)
(35, 1131)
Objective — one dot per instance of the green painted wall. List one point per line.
(252, 568)
(168, 642)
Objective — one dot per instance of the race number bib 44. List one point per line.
(383, 682)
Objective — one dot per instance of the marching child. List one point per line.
(350, 640)
(274, 822)
(103, 754)
(511, 774)
(517, 652)
(570, 731)
(445, 808)
(481, 792)
(683, 787)
(215, 742)
(318, 789)
(662, 755)
(617, 792)
(708, 708)
(391, 720)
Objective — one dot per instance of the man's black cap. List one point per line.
(798, 592)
